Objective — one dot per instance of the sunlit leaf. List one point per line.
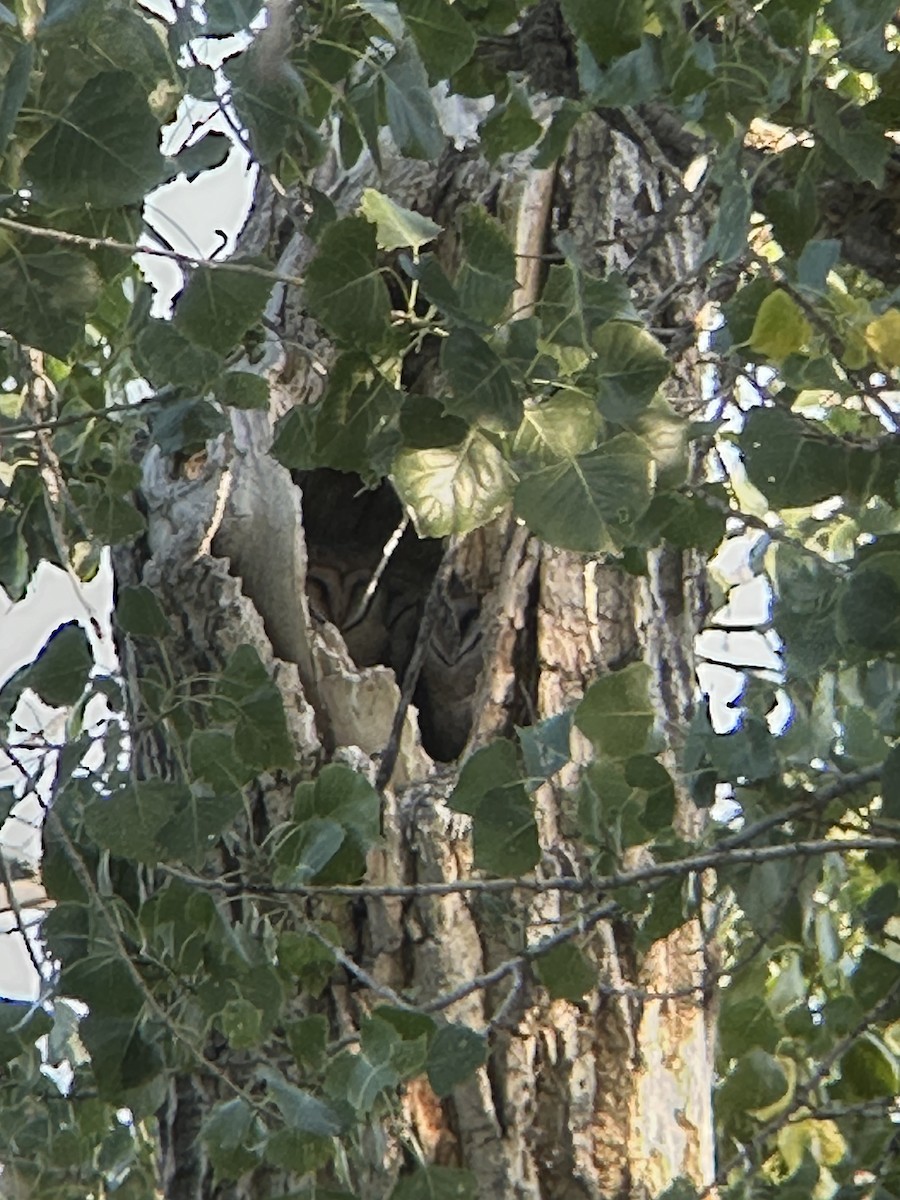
(102, 149)
(780, 328)
(453, 489)
(396, 226)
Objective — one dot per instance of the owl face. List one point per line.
(345, 599)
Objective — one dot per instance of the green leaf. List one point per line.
(45, 298)
(616, 713)
(870, 611)
(300, 1110)
(757, 1082)
(307, 1038)
(747, 751)
(269, 103)
(339, 797)
(746, 1023)
(21, 1024)
(437, 1183)
(645, 772)
(486, 278)
(139, 613)
(553, 144)
(793, 462)
(252, 701)
(95, 972)
(243, 389)
(504, 833)
(545, 746)
(15, 88)
(60, 672)
(890, 785)
(563, 426)
(456, 1052)
(15, 566)
(232, 1134)
(631, 366)
(609, 29)
(301, 1153)
(444, 38)
(307, 850)
(882, 905)
(305, 960)
(121, 1058)
(186, 426)
(491, 767)
(425, 424)
(228, 16)
(102, 149)
(667, 913)
(112, 519)
(815, 263)
(681, 1189)
(350, 429)
(437, 288)
(780, 327)
(575, 303)
(860, 25)
(453, 489)
(168, 358)
(241, 1023)
(410, 111)
(682, 521)
(218, 306)
(212, 758)
(343, 795)
(410, 1024)
(209, 152)
(343, 286)
(857, 141)
(396, 226)
(587, 503)
(482, 389)
(631, 79)
(727, 240)
(869, 1070)
(794, 214)
(875, 976)
(130, 823)
(509, 128)
(565, 972)
(355, 1084)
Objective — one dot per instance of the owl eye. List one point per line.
(320, 590)
(457, 631)
(357, 599)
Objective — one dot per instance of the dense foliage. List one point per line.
(786, 108)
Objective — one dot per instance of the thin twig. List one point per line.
(192, 261)
(728, 853)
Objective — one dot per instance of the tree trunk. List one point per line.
(606, 1097)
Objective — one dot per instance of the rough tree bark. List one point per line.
(606, 1098)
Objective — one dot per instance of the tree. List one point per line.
(388, 864)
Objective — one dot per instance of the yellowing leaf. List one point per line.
(822, 1139)
(396, 226)
(883, 336)
(851, 319)
(780, 327)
